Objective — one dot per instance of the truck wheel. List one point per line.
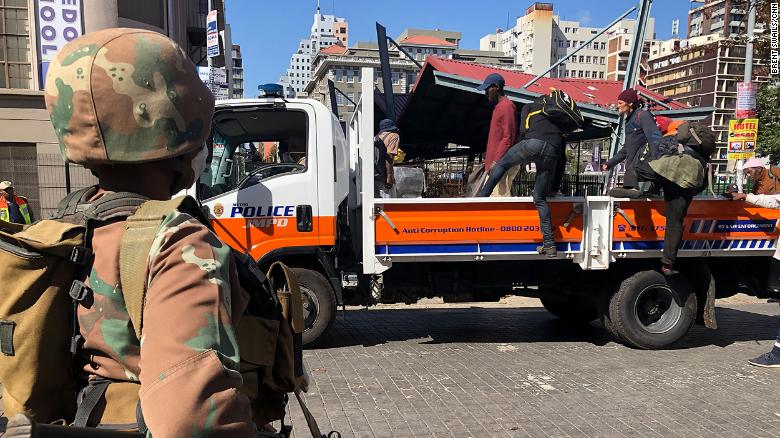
(573, 310)
(652, 311)
(319, 304)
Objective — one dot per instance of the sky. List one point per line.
(269, 31)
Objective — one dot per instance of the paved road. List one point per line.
(484, 372)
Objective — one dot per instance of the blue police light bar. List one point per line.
(271, 90)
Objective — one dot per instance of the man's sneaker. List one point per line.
(549, 251)
(766, 360)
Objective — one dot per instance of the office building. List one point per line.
(326, 30)
(29, 150)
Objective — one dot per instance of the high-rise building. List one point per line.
(238, 73)
(702, 71)
(721, 17)
(326, 30)
(540, 38)
(619, 44)
(342, 65)
(29, 150)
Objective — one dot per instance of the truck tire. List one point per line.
(651, 311)
(319, 304)
(574, 310)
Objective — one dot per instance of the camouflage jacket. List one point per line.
(187, 359)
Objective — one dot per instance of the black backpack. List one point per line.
(698, 137)
(380, 159)
(561, 109)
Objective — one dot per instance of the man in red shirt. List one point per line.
(503, 122)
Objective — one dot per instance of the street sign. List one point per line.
(742, 139)
(216, 80)
(746, 99)
(212, 35)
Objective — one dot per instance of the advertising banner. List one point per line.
(746, 99)
(212, 35)
(57, 23)
(742, 139)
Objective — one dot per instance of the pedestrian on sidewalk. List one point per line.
(772, 358)
(13, 208)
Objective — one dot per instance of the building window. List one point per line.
(603, 46)
(492, 44)
(15, 64)
(601, 60)
(601, 75)
(587, 59)
(587, 74)
(582, 59)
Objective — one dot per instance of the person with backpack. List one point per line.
(640, 130)
(386, 145)
(541, 142)
(766, 181)
(128, 105)
(14, 208)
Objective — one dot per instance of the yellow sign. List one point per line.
(742, 138)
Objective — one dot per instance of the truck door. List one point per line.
(261, 185)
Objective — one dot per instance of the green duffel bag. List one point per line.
(681, 169)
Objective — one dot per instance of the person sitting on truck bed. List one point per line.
(541, 142)
(771, 359)
(765, 181)
(640, 130)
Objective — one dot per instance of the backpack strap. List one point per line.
(140, 232)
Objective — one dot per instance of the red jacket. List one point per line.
(503, 131)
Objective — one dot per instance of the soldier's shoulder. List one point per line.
(180, 229)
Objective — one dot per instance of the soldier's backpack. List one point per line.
(42, 266)
(561, 109)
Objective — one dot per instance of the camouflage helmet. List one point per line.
(126, 96)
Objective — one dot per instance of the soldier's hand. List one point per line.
(738, 196)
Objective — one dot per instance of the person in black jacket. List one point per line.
(540, 142)
(640, 130)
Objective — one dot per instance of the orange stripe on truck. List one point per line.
(473, 222)
(260, 236)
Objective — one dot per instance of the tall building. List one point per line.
(238, 73)
(342, 66)
(540, 38)
(702, 71)
(326, 30)
(619, 44)
(721, 17)
(29, 150)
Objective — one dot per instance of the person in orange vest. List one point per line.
(13, 208)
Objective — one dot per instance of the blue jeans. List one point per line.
(543, 155)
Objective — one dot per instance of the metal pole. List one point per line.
(582, 46)
(751, 25)
(209, 61)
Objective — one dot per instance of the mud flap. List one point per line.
(709, 306)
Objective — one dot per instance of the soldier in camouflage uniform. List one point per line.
(128, 105)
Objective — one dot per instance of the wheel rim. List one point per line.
(311, 307)
(656, 309)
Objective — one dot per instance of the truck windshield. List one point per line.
(249, 147)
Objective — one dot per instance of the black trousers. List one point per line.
(677, 202)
